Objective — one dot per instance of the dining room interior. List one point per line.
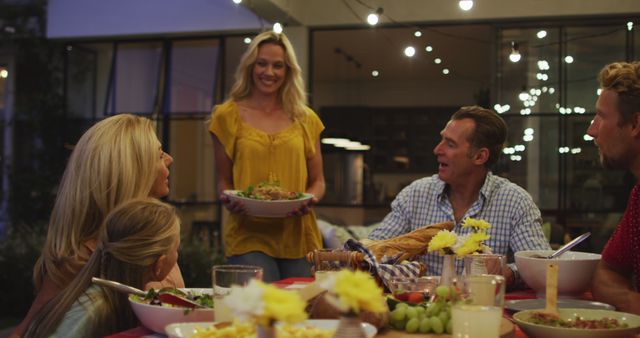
(388, 88)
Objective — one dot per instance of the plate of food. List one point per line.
(268, 199)
(315, 328)
(531, 304)
(578, 323)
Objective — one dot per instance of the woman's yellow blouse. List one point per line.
(256, 157)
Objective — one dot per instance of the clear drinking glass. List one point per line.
(222, 278)
(482, 264)
(479, 315)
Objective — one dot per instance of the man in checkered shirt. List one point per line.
(471, 144)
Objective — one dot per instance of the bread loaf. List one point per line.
(409, 245)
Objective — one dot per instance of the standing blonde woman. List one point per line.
(116, 160)
(138, 243)
(265, 131)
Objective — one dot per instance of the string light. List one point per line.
(237, 1)
(541, 34)
(515, 52)
(465, 5)
(374, 18)
(568, 59)
(428, 49)
(247, 40)
(630, 25)
(410, 51)
(417, 34)
(277, 28)
(375, 73)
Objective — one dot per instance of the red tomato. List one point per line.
(415, 297)
(404, 296)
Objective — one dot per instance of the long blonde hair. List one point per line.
(292, 93)
(114, 161)
(133, 237)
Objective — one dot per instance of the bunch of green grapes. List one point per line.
(429, 317)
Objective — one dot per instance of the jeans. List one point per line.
(273, 268)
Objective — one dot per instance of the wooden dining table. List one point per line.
(292, 283)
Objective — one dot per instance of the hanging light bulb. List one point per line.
(374, 18)
(523, 96)
(237, 1)
(515, 52)
(277, 28)
(410, 51)
(465, 5)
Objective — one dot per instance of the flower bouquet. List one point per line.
(450, 245)
(448, 242)
(263, 305)
(352, 292)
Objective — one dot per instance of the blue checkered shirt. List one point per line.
(514, 217)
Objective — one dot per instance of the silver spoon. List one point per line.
(118, 286)
(569, 245)
(164, 297)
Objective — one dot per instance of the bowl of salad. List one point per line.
(578, 323)
(155, 315)
(268, 199)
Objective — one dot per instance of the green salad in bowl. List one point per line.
(156, 315)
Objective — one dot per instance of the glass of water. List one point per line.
(222, 278)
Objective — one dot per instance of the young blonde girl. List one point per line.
(116, 160)
(137, 244)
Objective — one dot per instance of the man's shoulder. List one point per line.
(502, 186)
(426, 184)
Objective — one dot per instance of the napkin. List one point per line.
(387, 268)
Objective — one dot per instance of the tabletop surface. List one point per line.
(516, 333)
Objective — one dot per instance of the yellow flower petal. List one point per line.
(443, 239)
(358, 291)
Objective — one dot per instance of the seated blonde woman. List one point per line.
(138, 243)
(116, 160)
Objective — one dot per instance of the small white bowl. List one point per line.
(575, 270)
(156, 318)
(262, 208)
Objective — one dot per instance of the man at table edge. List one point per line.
(616, 132)
(471, 144)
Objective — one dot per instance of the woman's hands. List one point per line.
(236, 207)
(305, 208)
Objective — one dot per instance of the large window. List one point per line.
(193, 75)
(135, 78)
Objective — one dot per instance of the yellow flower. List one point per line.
(281, 305)
(468, 247)
(477, 224)
(480, 236)
(444, 239)
(264, 303)
(357, 291)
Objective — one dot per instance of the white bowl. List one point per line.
(156, 318)
(575, 270)
(262, 208)
(543, 331)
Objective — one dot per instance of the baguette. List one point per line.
(409, 245)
